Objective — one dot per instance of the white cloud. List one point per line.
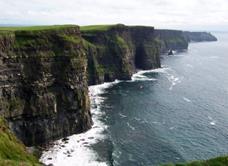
(180, 14)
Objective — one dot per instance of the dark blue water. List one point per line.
(180, 114)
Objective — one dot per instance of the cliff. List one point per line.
(43, 85)
(116, 51)
(199, 36)
(171, 40)
(45, 72)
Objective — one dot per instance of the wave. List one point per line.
(173, 79)
(186, 99)
(77, 150)
(139, 76)
(212, 121)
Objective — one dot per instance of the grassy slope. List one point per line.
(12, 151)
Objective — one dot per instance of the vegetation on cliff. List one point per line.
(36, 28)
(12, 151)
(96, 28)
(219, 161)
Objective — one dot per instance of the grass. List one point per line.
(12, 151)
(219, 161)
(121, 42)
(94, 28)
(73, 39)
(36, 28)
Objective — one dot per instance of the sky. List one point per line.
(169, 14)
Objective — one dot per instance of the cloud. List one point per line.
(194, 14)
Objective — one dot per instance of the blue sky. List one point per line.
(172, 14)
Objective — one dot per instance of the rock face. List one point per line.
(116, 52)
(43, 87)
(171, 40)
(199, 36)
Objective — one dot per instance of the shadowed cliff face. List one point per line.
(43, 88)
(117, 52)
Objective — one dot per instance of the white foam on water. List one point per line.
(187, 100)
(212, 121)
(77, 151)
(122, 115)
(174, 80)
(139, 76)
(130, 126)
(171, 128)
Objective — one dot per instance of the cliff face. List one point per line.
(171, 40)
(43, 87)
(199, 36)
(116, 51)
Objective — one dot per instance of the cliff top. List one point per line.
(35, 28)
(100, 28)
(96, 27)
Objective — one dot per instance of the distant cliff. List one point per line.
(171, 40)
(179, 40)
(199, 36)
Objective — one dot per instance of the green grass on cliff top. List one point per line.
(96, 27)
(219, 161)
(12, 151)
(34, 28)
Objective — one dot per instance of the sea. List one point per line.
(174, 114)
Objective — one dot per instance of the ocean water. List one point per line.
(174, 114)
